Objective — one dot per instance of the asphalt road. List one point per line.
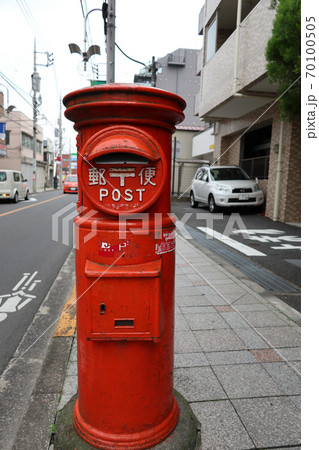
(269, 251)
(30, 261)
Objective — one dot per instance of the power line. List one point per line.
(31, 21)
(17, 89)
(134, 60)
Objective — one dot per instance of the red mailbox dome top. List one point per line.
(124, 103)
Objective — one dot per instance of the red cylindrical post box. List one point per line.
(125, 260)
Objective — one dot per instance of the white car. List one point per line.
(224, 186)
(13, 185)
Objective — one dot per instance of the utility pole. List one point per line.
(110, 42)
(36, 101)
(60, 145)
(153, 71)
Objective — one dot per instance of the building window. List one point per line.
(8, 137)
(27, 142)
(211, 39)
(255, 152)
(39, 147)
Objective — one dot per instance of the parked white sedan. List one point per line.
(224, 186)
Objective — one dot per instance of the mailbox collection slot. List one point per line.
(121, 158)
(124, 323)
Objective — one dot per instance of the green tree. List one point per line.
(283, 53)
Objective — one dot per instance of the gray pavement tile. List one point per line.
(192, 300)
(264, 319)
(190, 360)
(185, 342)
(291, 354)
(215, 299)
(219, 340)
(180, 323)
(285, 377)
(207, 290)
(221, 426)
(197, 309)
(250, 307)
(187, 290)
(296, 365)
(296, 400)
(246, 299)
(188, 270)
(182, 280)
(198, 384)
(230, 288)
(251, 338)
(231, 297)
(206, 321)
(232, 357)
(281, 336)
(246, 380)
(194, 277)
(270, 422)
(234, 320)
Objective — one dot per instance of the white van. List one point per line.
(13, 185)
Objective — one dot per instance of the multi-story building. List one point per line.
(238, 100)
(176, 72)
(18, 154)
(69, 164)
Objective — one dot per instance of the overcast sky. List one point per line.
(144, 28)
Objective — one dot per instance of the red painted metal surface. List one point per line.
(125, 260)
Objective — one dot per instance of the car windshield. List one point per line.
(229, 173)
(72, 178)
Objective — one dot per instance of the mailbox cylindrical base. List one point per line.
(138, 441)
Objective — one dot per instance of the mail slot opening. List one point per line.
(124, 323)
(121, 158)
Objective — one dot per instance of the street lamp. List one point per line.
(93, 49)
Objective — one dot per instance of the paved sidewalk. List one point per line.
(237, 356)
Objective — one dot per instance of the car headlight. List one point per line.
(222, 188)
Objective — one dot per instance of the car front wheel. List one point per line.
(211, 204)
(193, 202)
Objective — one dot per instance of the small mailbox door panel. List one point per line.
(124, 301)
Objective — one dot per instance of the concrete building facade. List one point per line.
(238, 100)
(18, 154)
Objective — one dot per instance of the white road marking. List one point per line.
(248, 251)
